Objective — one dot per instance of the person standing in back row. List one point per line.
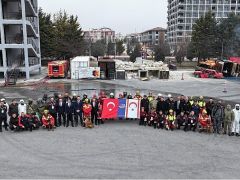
(3, 116)
(228, 120)
(60, 107)
(78, 105)
(52, 108)
(69, 110)
(235, 127)
(217, 116)
(94, 112)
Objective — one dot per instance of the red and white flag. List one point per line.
(133, 109)
(110, 108)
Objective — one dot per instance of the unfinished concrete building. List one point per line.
(20, 41)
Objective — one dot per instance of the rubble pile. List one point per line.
(141, 65)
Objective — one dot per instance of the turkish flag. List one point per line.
(110, 108)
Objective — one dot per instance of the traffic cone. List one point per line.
(225, 87)
(182, 76)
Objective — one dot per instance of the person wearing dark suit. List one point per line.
(69, 111)
(78, 105)
(61, 112)
(94, 112)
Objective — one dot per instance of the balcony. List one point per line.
(16, 39)
(13, 15)
(33, 49)
(31, 9)
(32, 28)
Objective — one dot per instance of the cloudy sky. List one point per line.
(125, 16)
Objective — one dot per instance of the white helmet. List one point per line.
(159, 95)
(21, 101)
(169, 95)
(111, 94)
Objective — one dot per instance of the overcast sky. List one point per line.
(125, 16)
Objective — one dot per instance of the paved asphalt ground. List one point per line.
(119, 149)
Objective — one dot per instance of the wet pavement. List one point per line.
(80, 88)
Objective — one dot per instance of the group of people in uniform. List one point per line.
(188, 113)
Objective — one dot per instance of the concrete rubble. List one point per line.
(141, 65)
(143, 69)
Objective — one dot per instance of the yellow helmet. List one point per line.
(137, 93)
(45, 111)
(204, 111)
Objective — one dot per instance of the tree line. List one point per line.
(212, 38)
(63, 38)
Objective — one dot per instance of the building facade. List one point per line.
(182, 15)
(94, 35)
(153, 37)
(20, 41)
(133, 37)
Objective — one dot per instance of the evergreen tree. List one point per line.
(204, 40)
(136, 53)
(47, 34)
(119, 47)
(110, 48)
(98, 48)
(228, 36)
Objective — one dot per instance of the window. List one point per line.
(55, 69)
(83, 64)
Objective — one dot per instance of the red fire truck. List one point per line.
(58, 69)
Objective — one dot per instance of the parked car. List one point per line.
(172, 67)
(208, 73)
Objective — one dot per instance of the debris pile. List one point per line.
(141, 65)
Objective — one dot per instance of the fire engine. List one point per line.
(58, 69)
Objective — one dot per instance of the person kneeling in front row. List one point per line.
(48, 120)
(13, 123)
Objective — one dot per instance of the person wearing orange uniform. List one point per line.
(87, 109)
(204, 120)
(47, 120)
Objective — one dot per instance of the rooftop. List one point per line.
(155, 29)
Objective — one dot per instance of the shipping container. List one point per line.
(107, 68)
(84, 67)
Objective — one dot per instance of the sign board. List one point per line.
(91, 72)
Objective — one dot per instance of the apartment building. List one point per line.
(153, 37)
(94, 35)
(182, 15)
(20, 41)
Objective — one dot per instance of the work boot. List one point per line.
(237, 134)
(232, 134)
(6, 129)
(0, 130)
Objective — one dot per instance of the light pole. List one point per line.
(222, 52)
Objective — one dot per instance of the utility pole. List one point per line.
(222, 52)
